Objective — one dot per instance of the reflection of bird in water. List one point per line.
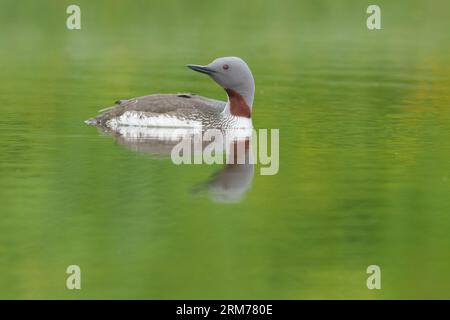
(231, 183)
(156, 123)
(187, 110)
(228, 184)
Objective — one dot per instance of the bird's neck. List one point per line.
(239, 104)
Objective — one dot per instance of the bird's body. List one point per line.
(187, 110)
(182, 110)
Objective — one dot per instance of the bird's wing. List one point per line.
(161, 104)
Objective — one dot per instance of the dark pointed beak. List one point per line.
(201, 69)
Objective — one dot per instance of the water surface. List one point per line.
(364, 156)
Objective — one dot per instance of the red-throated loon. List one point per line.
(187, 110)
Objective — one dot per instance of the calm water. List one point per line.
(364, 162)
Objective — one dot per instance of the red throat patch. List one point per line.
(238, 106)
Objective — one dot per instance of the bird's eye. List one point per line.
(225, 67)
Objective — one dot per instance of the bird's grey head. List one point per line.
(231, 73)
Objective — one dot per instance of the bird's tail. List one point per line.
(91, 121)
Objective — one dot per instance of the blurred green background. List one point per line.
(364, 139)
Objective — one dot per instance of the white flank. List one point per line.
(131, 133)
(140, 119)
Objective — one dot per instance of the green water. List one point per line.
(364, 173)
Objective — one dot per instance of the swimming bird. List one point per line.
(188, 110)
